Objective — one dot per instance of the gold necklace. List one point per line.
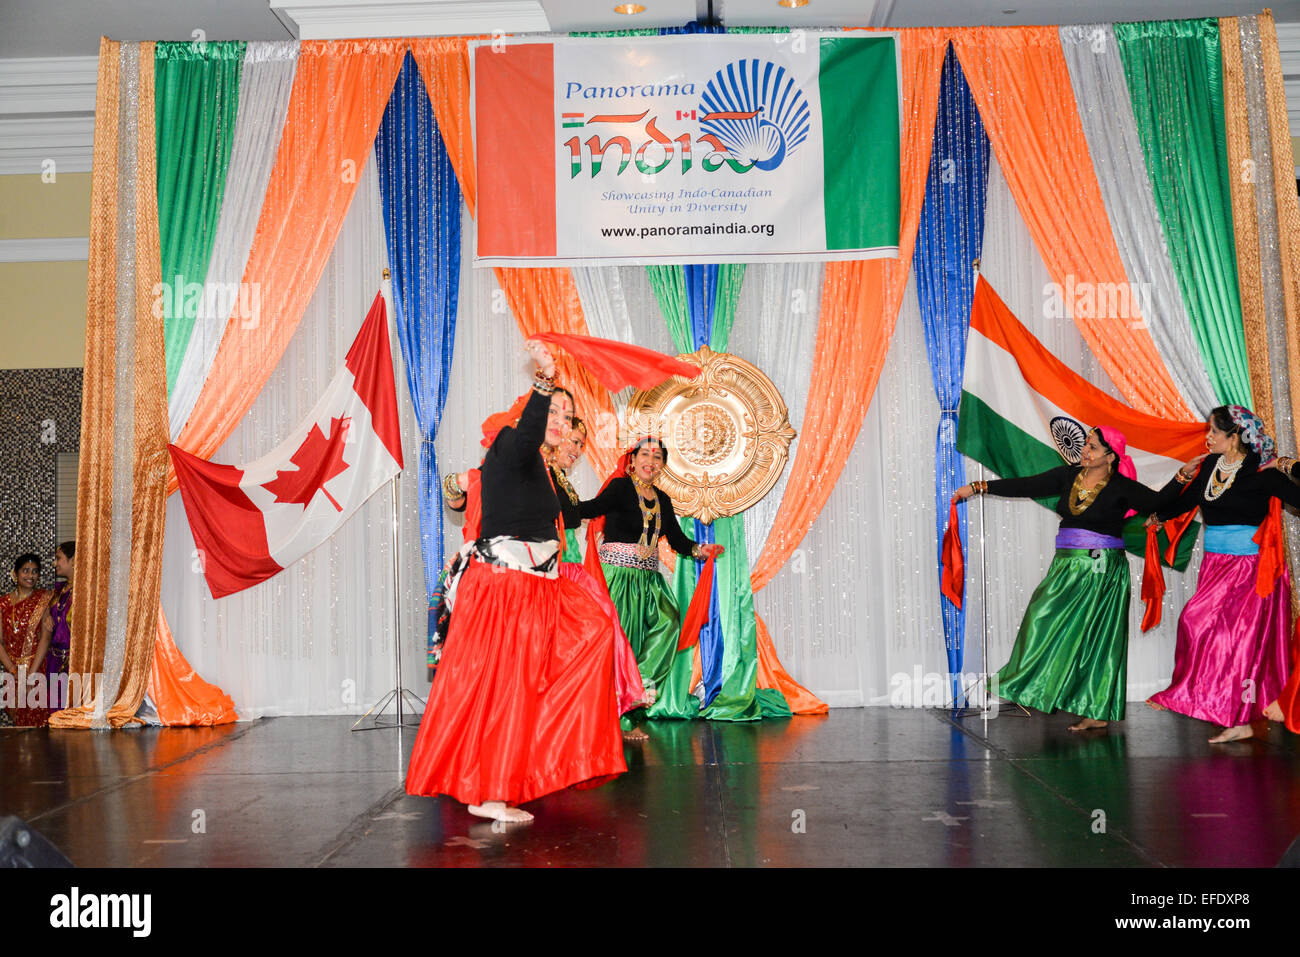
(1080, 497)
(649, 515)
(562, 479)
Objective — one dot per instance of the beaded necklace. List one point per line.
(1221, 478)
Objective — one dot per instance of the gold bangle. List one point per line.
(451, 489)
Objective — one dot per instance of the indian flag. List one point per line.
(1023, 411)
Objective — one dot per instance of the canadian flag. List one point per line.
(252, 521)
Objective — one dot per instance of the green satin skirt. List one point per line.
(1072, 649)
(648, 613)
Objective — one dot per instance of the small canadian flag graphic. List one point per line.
(686, 114)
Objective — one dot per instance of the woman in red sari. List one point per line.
(22, 651)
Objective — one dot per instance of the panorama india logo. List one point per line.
(750, 115)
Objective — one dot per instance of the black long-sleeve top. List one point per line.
(623, 522)
(1245, 502)
(518, 497)
(1104, 516)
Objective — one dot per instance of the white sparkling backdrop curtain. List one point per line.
(318, 637)
(776, 329)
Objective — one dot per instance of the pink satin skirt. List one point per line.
(1231, 658)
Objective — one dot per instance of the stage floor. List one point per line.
(860, 787)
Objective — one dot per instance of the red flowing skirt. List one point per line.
(523, 703)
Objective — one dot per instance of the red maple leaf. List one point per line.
(318, 459)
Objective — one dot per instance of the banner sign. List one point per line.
(686, 149)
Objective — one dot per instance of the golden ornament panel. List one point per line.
(727, 432)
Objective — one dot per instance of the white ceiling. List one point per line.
(49, 28)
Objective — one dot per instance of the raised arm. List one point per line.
(607, 501)
(1141, 499)
(1177, 498)
(1052, 482)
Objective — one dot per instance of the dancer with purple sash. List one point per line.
(1071, 652)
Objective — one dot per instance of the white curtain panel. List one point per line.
(265, 83)
(776, 329)
(318, 638)
(1097, 76)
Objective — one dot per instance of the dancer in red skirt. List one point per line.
(524, 701)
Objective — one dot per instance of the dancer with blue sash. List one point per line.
(1231, 658)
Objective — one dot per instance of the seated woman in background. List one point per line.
(21, 612)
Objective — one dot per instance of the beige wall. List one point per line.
(43, 322)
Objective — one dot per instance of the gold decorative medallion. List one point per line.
(727, 431)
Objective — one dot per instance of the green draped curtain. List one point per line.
(196, 100)
(1174, 70)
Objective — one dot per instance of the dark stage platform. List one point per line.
(873, 787)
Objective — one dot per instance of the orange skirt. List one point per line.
(523, 703)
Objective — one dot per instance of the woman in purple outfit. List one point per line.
(56, 633)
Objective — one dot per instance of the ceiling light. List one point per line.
(629, 8)
(791, 4)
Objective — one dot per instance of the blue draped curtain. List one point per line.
(421, 200)
(948, 242)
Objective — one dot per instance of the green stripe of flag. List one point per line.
(858, 80)
(1010, 452)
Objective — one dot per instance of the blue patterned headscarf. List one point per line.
(1253, 435)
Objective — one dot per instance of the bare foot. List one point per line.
(500, 811)
(1156, 706)
(1274, 712)
(1238, 733)
(1088, 724)
(636, 734)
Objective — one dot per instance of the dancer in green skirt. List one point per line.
(1071, 651)
(635, 514)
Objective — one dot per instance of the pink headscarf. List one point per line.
(1115, 439)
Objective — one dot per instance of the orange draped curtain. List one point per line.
(1021, 84)
(860, 303)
